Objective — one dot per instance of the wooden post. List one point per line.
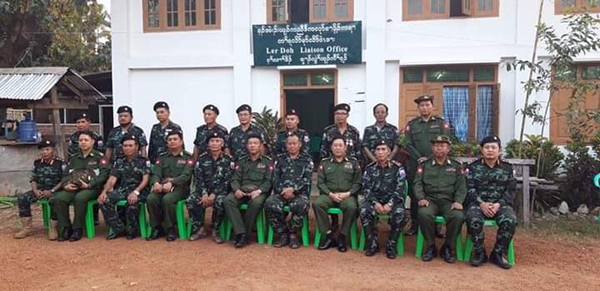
(60, 143)
(525, 205)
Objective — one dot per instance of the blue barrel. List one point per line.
(27, 131)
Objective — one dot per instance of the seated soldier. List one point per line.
(128, 180)
(170, 184)
(490, 193)
(291, 184)
(339, 181)
(45, 180)
(440, 190)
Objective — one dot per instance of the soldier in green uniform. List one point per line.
(128, 179)
(113, 144)
(419, 133)
(383, 185)
(80, 191)
(291, 186)
(211, 113)
(45, 180)
(83, 123)
(170, 183)
(490, 194)
(341, 127)
(339, 182)
(212, 178)
(440, 189)
(251, 184)
(380, 130)
(236, 144)
(158, 134)
(292, 119)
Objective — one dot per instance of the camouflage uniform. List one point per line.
(280, 147)
(129, 176)
(74, 143)
(388, 132)
(202, 135)
(295, 173)
(237, 140)
(352, 137)
(493, 185)
(115, 136)
(46, 174)
(383, 184)
(210, 177)
(158, 140)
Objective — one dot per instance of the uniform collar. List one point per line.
(432, 118)
(178, 155)
(384, 125)
(345, 159)
(434, 162)
(131, 125)
(387, 164)
(49, 161)
(496, 164)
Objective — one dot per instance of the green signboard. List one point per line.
(302, 44)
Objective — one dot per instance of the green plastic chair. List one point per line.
(511, 247)
(89, 218)
(270, 232)
(399, 245)
(597, 184)
(181, 221)
(260, 226)
(353, 230)
(45, 212)
(187, 223)
(421, 241)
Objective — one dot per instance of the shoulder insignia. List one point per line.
(190, 162)
(420, 170)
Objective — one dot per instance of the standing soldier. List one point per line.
(236, 145)
(211, 113)
(440, 190)
(86, 173)
(83, 123)
(158, 135)
(491, 188)
(130, 175)
(419, 132)
(170, 184)
(45, 180)
(212, 177)
(339, 182)
(347, 131)
(383, 185)
(292, 119)
(113, 144)
(380, 130)
(251, 184)
(291, 185)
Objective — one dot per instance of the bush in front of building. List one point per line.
(547, 156)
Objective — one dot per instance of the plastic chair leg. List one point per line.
(45, 212)
(353, 238)
(511, 253)
(89, 219)
(181, 227)
(142, 220)
(419, 244)
(459, 248)
(305, 238)
(260, 230)
(468, 248)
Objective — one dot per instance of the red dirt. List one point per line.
(36, 263)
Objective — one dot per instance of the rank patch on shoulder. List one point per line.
(446, 126)
(190, 162)
(420, 170)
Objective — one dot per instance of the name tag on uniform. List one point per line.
(451, 170)
(435, 126)
(261, 166)
(181, 162)
(348, 166)
(92, 163)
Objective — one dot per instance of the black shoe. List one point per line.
(65, 234)
(114, 234)
(429, 254)
(76, 235)
(390, 253)
(479, 258)
(372, 247)
(131, 235)
(171, 234)
(294, 242)
(328, 243)
(413, 230)
(242, 241)
(156, 233)
(341, 243)
(499, 260)
(447, 255)
(282, 241)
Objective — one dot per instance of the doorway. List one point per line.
(106, 119)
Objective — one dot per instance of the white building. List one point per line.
(191, 55)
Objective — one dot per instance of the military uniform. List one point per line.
(46, 174)
(210, 177)
(176, 169)
(237, 140)
(201, 140)
(294, 173)
(352, 137)
(158, 140)
(129, 176)
(280, 144)
(335, 177)
(388, 132)
(74, 143)
(115, 136)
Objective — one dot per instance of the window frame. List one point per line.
(180, 17)
(270, 13)
(427, 15)
(578, 8)
(330, 5)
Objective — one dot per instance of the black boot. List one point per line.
(430, 253)
(282, 240)
(65, 234)
(115, 233)
(341, 243)
(76, 235)
(498, 259)
(328, 243)
(242, 241)
(390, 252)
(156, 233)
(294, 242)
(132, 234)
(479, 257)
(171, 234)
(446, 254)
(372, 246)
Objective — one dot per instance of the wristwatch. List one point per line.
(137, 193)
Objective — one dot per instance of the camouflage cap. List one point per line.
(244, 107)
(161, 104)
(342, 106)
(46, 143)
(214, 134)
(211, 108)
(422, 98)
(441, 139)
(490, 139)
(124, 108)
(380, 142)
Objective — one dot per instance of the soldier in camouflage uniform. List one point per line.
(291, 185)
(236, 144)
(170, 183)
(341, 127)
(440, 190)
(80, 192)
(45, 180)
(490, 193)
(158, 134)
(251, 184)
(113, 144)
(383, 186)
(380, 130)
(211, 113)
(128, 179)
(212, 176)
(83, 122)
(292, 119)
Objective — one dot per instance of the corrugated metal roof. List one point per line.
(34, 83)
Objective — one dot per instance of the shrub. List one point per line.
(548, 162)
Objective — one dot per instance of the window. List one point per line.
(309, 80)
(444, 9)
(176, 15)
(303, 11)
(277, 11)
(574, 6)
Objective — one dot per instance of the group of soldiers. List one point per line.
(229, 169)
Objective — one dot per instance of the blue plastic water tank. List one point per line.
(27, 131)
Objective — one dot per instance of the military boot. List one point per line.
(25, 228)
(479, 257)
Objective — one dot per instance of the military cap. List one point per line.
(292, 112)
(161, 104)
(124, 108)
(254, 135)
(244, 107)
(46, 144)
(82, 115)
(381, 141)
(214, 134)
(175, 132)
(342, 106)
(212, 108)
(129, 136)
(490, 139)
(441, 139)
(422, 98)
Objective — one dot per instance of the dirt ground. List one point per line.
(35, 263)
